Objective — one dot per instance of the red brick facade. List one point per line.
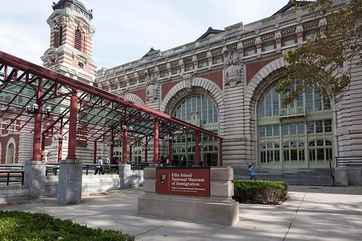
(166, 87)
(253, 68)
(215, 76)
(140, 93)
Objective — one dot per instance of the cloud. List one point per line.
(126, 29)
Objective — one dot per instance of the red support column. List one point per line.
(72, 141)
(197, 147)
(124, 145)
(95, 152)
(156, 142)
(220, 159)
(60, 141)
(130, 153)
(37, 127)
(170, 149)
(146, 149)
(42, 146)
(111, 147)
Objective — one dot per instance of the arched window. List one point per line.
(78, 41)
(58, 37)
(201, 110)
(298, 135)
(10, 153)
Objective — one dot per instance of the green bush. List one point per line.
(263, 192)
(20, 226)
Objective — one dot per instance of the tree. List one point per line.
(325, 61)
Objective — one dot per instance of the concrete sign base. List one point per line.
(218, 208)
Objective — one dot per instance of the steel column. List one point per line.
(60, 141)
(72, 141)
(37, 144)
(112, 146)
(130, 153)
(95, 152)
(170, 149)
(146, 149)
(124, 145)
(156, 141)
(197, 147)
(220, 159)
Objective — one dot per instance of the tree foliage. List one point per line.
(325, 61)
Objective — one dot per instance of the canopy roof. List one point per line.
(100, 112)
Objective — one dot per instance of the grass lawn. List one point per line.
(20, 226)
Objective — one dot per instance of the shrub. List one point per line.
(20, 226)
(263, 192)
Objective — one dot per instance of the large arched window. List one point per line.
(201, 110)
(298, 135)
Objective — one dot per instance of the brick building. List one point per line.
(225, 81)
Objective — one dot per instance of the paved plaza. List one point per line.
(311, 213)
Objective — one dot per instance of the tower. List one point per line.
(71, 33)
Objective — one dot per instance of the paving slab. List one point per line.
(311, 213)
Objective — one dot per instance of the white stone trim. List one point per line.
(134, 98)
(261, 75)
(211, 87)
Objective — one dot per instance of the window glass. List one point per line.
(301, 128)
(317, 100)
(275, 103)
(200, 110)
(276, 130)
(326, 103)
(319, 126)
(312, 155)
(328, 126)
(269, 130)
(329, 154)
(284, 129)
(320, 154)
(305, 140)
(310, 126)
(292, 129)
(309, 99)
(294, 154)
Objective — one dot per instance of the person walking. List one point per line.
(252, 171)
(99, 166)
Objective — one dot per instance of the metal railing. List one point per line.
(139, 165)
(9, 177)
(53, 169)
(349, 161)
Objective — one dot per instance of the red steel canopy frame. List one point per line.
(35, 92)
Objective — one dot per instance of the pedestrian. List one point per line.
(99, 166)
(252, 171)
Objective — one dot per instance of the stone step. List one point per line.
(315, 177)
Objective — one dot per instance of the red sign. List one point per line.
(183, 181)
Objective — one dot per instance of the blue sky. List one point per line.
(126, 29)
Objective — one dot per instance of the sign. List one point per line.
(183, 181)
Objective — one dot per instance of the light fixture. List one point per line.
(48, 110)
(35, 108)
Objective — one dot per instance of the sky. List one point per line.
(127, 29)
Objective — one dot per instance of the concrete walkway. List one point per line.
(311, 213)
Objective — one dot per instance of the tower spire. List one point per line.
(71, 34)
